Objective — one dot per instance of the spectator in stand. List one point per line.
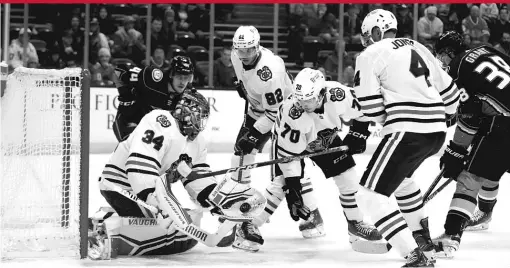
(499, 26)
(404, 21)
(199, 18)
(102, 72)
(348, 76)
(69, 51)
(429, 26)
(158, 59)
(128, 42)
(476, 28)
(504, 44)
(158, 37)
(489, 12)
(106, 23)
(352, 25)
(54, 60)
(16, 56)
(315, 19)
(331, 63)
(223, 69)
(298, 29)
(170, 28)
(182, 18)
(78, 33)
(97, 41)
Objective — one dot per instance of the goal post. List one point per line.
(45, 119)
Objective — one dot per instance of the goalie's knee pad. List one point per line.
(245, 174)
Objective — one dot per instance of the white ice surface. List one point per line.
(284, 246)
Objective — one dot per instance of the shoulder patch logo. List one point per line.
(163, 120)
(337, 94)
(295, 112)
(265, 73)
(157, 75)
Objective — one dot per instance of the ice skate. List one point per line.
(360, 229)
(479, 221)
(248, 237)
(446, 245)
(418, 259)
(424, 242)
(99, 245)
(313, 227)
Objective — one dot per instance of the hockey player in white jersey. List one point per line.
(264, 83)
(400, 85)
(309, 121)
(164, 143)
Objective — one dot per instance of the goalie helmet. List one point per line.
(380, 18)
(309, 89)
(191, 112)
(246, 43)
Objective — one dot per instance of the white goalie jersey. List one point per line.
(298, 131)
(400, 85)
(149, 152)
(267, 85)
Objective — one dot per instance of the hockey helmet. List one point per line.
(451, 43)
(192, 112)
(246, 42)
(309, 88)
(181, 65)
(383, 19)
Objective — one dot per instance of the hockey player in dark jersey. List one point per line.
(142, 90)
(474, 156)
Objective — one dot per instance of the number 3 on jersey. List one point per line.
(149, 138)
(418, 67)
(275, 98)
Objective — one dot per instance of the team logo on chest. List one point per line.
(157, 75)
(163, 120)
(337, 94)
(265, 73)
(295, 112)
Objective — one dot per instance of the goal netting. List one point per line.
(44, 163)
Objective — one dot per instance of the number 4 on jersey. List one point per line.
(149, 138)
(418, 67)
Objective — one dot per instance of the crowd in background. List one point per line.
(313, 36)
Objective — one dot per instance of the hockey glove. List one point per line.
(179, 169)
(248, 141)
(357, 137)
(294, 199)
(452, 160)
(240, 88)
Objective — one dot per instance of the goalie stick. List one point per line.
(191, 230)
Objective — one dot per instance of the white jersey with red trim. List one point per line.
(401, 85)
(267, 85)
(297, 130)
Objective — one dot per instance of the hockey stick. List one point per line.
(195, 176)
(434, 184)
(437, 191)
(241, 157)
(191, 230)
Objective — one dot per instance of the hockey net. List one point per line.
(44, 163)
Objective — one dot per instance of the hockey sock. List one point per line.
(410, 202)
(307, 193)
(274, 196)
(348, 185)
(388, 220)
(463, 202)
(487, 196)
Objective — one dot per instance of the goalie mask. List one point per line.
(192, 112)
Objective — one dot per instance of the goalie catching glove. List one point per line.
(294, 199)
